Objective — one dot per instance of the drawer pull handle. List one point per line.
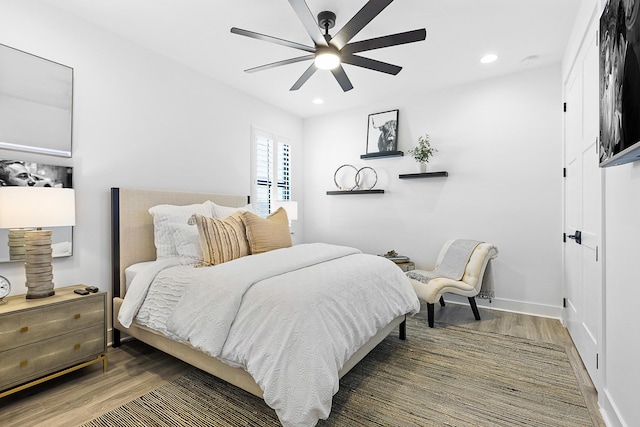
(76, 347)
(24, 329)
(77, 316)
(24, 363)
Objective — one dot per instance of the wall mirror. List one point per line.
(36, 103)
(32, 174)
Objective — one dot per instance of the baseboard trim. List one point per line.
(553, 312)
(609, 411)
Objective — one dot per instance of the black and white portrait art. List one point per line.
(382, 132)
(619, 79)
(15, 173)
(18, 173)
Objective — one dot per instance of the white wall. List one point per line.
(618, 397)
(501, 142)
(140, 120)
(622, 293)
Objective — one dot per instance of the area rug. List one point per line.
(445, 376)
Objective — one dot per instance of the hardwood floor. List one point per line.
(135, 369)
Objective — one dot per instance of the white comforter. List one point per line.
(290, 317)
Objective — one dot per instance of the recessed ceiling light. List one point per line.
(318, 101)
(489, 58)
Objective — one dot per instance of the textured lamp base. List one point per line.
(16, 244)
(38, 267)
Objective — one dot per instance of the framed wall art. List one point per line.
(619, 83)
(382, 135)
(36, 103)
(31, 174)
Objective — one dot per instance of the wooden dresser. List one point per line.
(44, 338)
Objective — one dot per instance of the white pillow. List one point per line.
(188, 244)
(165, 220)
(224, 211)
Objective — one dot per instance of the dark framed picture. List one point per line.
(619, 83)
(32, 174)
(382, 132)
(18, 173)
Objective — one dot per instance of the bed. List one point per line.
(133, 245)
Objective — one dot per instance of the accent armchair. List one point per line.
(430, 287)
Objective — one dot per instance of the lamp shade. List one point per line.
(290, 206)
(23, 207)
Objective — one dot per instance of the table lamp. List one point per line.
(34, 208)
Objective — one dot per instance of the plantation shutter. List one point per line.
(272, 171)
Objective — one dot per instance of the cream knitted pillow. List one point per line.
(221, 240)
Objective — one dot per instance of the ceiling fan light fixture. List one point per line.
(328, 52)
(327, 59)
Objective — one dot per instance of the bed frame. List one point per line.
(132, 242)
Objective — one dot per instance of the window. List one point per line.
(271, 171)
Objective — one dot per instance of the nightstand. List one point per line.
(41, 339)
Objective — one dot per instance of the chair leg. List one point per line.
(441, 301)
(430, 309)
(474, 307)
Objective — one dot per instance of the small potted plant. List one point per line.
(423, 152)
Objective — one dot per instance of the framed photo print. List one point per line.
(382, 133)
(36, 103)
(18, 173)
(619, 83)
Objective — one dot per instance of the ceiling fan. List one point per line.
(331, 52)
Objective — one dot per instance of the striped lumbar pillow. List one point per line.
(221, 240)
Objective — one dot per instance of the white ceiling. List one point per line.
(197, 34)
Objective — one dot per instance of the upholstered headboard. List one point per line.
(132, 239)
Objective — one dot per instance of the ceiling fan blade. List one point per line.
(271, 39)
(342, 78)
(279, 63)
(358, 22)
(308, 21)
(385, 41)
(304, 77)
(371, 64)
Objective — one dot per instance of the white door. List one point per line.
(582, 209)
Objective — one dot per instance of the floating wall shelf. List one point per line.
(335, 193)
(382, 154)
(423, 175)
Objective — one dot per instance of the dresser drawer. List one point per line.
(31, 325)
(31, 361)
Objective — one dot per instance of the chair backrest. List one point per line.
(477, 263)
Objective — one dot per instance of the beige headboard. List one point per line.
(132, 225)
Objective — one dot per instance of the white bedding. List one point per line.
(131, 272)
(290, 317)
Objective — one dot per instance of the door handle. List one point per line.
(577, 237)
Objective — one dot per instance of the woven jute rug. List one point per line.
(445, 376)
